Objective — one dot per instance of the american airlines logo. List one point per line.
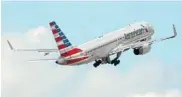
(134, 33)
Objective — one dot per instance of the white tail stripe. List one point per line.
(60, 42)
(56, 35)
(53, 27)
(62, 51)
(66, 49)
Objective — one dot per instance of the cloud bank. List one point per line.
(149, 78)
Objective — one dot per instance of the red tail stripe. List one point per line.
(71, 52)
(76, 60)
(58, 39)
(51, 24)
(54, 31)
(61, 46)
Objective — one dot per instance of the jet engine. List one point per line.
(142, 50)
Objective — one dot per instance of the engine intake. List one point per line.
(142, 50)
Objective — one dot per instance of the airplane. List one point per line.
(137, 36)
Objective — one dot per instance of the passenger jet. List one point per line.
(136, 36)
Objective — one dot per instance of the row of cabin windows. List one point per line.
(104, 45)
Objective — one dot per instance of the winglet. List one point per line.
(11, 47)
(174, 30)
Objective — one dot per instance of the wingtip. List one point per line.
(11, 47)
(174, 30)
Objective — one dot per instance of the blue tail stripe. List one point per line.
(68, 44)
(56, 26)
(63, 37)
(65, 40)
(58, 30)
(61, 34)
(54, 22)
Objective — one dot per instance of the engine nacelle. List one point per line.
(142, 50)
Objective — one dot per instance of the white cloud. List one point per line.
(36, 34)
(171, 93)
(25, 79)
(148, 76)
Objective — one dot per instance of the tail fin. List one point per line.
(60, 38)
(63, 44)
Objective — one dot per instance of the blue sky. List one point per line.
(83, 21)
(78, 19)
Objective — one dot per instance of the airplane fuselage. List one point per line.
(100, 47)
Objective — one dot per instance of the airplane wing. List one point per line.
(122, 48)
(42, 60)
(46, 51)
